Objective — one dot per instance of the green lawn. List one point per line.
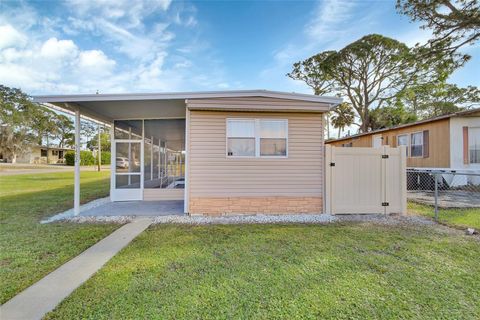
(461, 218)
(29, 250)
(338, 271)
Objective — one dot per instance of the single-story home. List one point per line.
(223, 152)
(446, 142)
(41, 155)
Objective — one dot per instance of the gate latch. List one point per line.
(384, 156)
(385, 204)
(332, 164)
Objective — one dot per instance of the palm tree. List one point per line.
(343, 116)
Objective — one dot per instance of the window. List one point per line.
(474, 144)
(43, 153)
(257, 138)
(402, 140)
(416, 144)
(54, 152)
(273, 138)
(241, 138)
(347, 145)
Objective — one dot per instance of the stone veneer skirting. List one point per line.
(255, 205)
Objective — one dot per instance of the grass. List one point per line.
(30, 250)
(338, 271)
(460, 218)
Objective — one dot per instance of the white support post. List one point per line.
(130, 155)
(113, 161)
(186, 197)
(76, 193)
(99, 155)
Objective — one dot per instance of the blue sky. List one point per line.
(81, 46)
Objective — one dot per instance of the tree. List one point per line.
(315, 73)
(64, 132)
(343, 116)
(92, 144)
(17, 123)
(371, 72)
(436, 99)
(87, 129)
(454, 23)
(390, 116)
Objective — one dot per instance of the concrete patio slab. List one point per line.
(43, 296)
(136, 208)
(105, 208)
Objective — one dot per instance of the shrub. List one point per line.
(105, 157)
(86, 158)
(70, 158)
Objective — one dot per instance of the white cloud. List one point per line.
(331, 16)
(58, 49)
(332, 25)
(130, 12)
(11, 37)
(95, 61)
(106, 46)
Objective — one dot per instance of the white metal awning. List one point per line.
(107, 107)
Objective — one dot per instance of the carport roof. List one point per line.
(186, 95)
(106, 107)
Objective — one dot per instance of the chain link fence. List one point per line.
(444, 190)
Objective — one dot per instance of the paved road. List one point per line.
(5, 171)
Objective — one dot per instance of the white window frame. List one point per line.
(257, 139)
(410, 145)
(406, 145)
(469, 135)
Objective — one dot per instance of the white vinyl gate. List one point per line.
(365, 180)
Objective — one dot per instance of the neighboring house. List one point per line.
(221, 152)
(40, 154)
(447, 142)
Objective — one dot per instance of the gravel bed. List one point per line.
(298, 218)
(257, 219)
(69, 214)
(253, 219)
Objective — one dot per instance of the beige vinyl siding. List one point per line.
(256, 104)
(163, 194)
(213, 174)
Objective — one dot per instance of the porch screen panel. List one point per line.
(127, 157)
(164, 153)
(127, 181)
(128, 129)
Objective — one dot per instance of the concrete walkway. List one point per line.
(43, 296)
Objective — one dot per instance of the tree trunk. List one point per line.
(365, 124)
(99, 148)
(47, 150)
(14, 158)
